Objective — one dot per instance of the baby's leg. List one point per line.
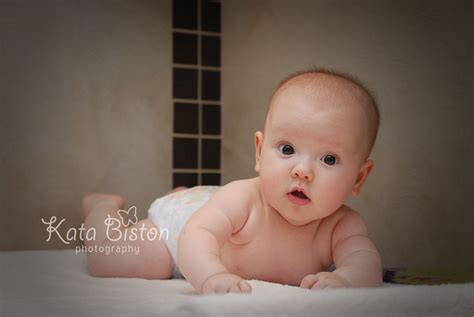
(177, 189)
(153, 260)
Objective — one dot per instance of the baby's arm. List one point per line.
(200, 242)
(357, 261)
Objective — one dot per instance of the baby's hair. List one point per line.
(373, 109)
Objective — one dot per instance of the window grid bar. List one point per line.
(197, 31)
(199, 101)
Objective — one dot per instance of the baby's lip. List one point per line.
(299, 192)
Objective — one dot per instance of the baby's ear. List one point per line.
(364, 172)
(258, 149)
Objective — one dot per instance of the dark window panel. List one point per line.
(185, 83)
(211, 85)
(185, 48)
(185, 14)
(186, 118)
(185, 153)
(211, 50)
(211, 16)
(211, 153)
(185, 179)
(210, 179)
(211, 119)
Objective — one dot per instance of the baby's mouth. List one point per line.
(298, 197)
(299, 194)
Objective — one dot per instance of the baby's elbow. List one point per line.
(378, 280)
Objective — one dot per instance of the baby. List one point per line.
(289, 224)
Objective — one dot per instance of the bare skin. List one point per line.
(289, 224)
(259, 229)
(153, 261)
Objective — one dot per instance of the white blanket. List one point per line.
(56, 283)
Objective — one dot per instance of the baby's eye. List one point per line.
(286, 149)
(329, 159)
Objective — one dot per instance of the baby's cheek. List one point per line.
(336, 194)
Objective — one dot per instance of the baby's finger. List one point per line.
(221, 290)
(319, 285)
(234, 289)
(245, 287)
(308, 281)
(221, 287)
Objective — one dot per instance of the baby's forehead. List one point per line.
(331, 90)
(322, 86)
(320, 93)
(336, 99)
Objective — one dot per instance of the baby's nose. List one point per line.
(302, 172)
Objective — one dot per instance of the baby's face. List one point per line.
(312, 152)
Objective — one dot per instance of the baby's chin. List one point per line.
(299, 221)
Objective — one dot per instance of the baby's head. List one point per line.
(319, 130)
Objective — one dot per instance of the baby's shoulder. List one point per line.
(236, 194)
(343, 222)
(243, 184)
(343, 217)
(244, 189)
(248, 192)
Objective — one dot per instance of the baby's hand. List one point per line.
(324, 280)
(225, 283)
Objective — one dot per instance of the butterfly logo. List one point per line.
(128, 216)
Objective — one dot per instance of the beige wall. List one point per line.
(416, 57)
(86, 106)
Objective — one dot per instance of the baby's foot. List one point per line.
(177, 189)
(90, 201)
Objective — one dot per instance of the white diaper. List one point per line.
(172, 211)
